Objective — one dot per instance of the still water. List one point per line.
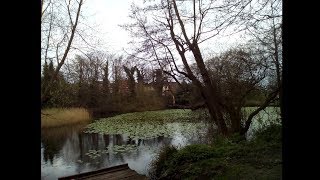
(65, 150)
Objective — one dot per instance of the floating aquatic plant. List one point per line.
(148, 125)
(93, 154)
(124, 148)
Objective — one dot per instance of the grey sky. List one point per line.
(108, 14)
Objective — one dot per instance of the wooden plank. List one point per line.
(127, 174)
(116, 172)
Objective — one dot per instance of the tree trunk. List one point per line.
(208, 89)
(173, 99)
(235, 121)
(212, 97)
(215, 112)
(248, 122)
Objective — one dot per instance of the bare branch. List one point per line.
(181, 23)
(69, 13)
(43, 11)
(48, 39)
(194, 21)
(269, 99)
(47, 88)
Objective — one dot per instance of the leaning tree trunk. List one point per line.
(211, 95)
(208, 90)
(235, 118)
(269, 99)
(215, 111)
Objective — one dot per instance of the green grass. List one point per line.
(55, 117)
(224, 159)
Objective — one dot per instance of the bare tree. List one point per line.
(240, 73)
(266, 28)
(59, 26)
(171, 32)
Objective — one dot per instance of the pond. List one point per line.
(71, 149)
(133, 138)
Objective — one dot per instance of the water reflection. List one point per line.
(64, 150)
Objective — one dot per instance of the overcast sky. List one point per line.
(109, 14)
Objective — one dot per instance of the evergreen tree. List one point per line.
(45, 76)
(50, 70)
(106, 80)
(94, 89)
(131, 81)
(159, 81)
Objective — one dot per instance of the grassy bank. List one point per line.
(232, 158)
(55, 117)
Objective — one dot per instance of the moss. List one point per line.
(231, 158)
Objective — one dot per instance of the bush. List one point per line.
(160, 163)
(193, 153)
(272, 133)
(226, 158)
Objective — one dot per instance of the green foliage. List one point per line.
(226, 158)
(130, 78)
(255, 98)
(61, 93)
(160, 164)
(106, 82)
(143, 101)
(159, 81)
(89, 86)
(184, 94)
(45, 76)
(193, 153)
(270, 134)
